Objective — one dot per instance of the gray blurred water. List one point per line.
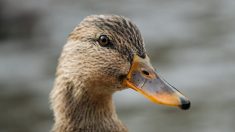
(192, 44)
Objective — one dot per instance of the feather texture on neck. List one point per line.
(76, 109)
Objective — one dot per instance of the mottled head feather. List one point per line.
(125, 35)
(89, 73)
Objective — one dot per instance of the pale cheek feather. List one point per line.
(92, 62)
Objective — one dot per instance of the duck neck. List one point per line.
(77, 109)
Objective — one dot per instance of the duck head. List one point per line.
(107, 54)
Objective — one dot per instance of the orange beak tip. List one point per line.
(143, 79)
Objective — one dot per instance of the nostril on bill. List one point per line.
(145, 72)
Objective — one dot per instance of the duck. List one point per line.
(104, 54)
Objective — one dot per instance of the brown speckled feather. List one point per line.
(88, 74)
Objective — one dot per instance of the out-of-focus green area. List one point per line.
(192, 44)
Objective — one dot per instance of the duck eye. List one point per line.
(103, 40)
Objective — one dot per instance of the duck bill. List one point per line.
(143, 78)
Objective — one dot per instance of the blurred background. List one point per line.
(192, 44)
